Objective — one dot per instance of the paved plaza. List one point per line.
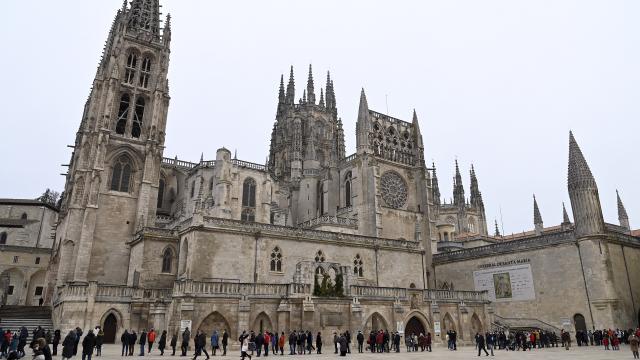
(584, 353)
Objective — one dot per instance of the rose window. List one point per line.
(393, 189)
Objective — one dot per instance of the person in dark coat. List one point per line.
(143, 341)
(42, 345)
(99, 342)
(186, 335)
(360, 338)
(163, 342)
(480, 341)
(319, 343)
(174, 343)
(124, 339)
(225, 342)
(133, 337)
(68, 344)
(78, 336)
(259, 341)
(88, 344)
(56, 341)
(342, 340)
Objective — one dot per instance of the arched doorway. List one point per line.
(448, 324)
(476, 326)
(12, 285)
(375, 322)
(215, 322)
(36, 288)
(263, 323)
(414, 327)
(110, 327)
(579, 322)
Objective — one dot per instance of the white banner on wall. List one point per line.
(507, 283)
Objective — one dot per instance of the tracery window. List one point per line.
(130, 71)
(121, 175)
(393, 189)
(167, 260)
(123, 114)
(138, 114)
(347, 190)
(160, 193)
(276, 260)
(248, 214)
(249, 193)
(357, 266)
(320, 256)
(145, 73)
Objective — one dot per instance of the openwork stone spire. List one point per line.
(144, 17)
(583, 192)
(458, 188)
(291, 89)
(537, 218)
(497, 231)
(311, 95)
(435, 188)
(622, 213)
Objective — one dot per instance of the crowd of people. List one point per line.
(45, 344)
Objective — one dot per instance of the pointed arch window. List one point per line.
(249, 193)
(276, 260)
(248, 214)
(357, 266)
(138, 114)
(347, 190)
(123, 114)
(130, 71)
(145, 73)
(160, 193)
(167, 260)
(193, 189)
(3, 238)
(121, 175)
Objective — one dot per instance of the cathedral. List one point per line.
(314, 238)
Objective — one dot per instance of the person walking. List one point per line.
(151, 338)
(225, 342)
(319, 343)
(78, 336)
(88, 343)
(244, 345)
(281, 342)
(480, 341)
(214, 342)
(633, 345)
(186, 335)
(56, 341)
(67, 345)
(99, 342)
(143, 341)
(491, 341)
(174, 343)
(163, 342)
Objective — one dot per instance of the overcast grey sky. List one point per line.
(495, 83)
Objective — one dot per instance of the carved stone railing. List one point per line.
(163, 220)
(377, 115)
(560, 237)
(226, 289)
(178, 163)
(71, 292)
(318, 235)
(455, 296)
(329, 220)
(350, 158)
(375, 292)
(249, 165)
(344, 210)
(109, 293)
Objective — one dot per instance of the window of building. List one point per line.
(121, 175)
(10, 290)
(167, 259)
(357, 266)
(23, 216)
(3, 238)
(130, 72)
(347, 190)
(248, 214)
(15, 259)
(138, 114)
(320, 256)
(37, 260)
(145, 73)
(38, 291)
(160, 193)
(123, 114)
(276, 260)
(193, 188)
(249, 193)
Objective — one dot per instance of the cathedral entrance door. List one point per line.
(414, 326)
(110, 327)
(579, 322)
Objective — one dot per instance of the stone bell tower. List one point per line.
(112, 183)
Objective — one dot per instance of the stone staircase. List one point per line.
(13, 317)
(524, 324)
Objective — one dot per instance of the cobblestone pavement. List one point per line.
(582, 353)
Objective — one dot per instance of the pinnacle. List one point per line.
(622, 212)
(537, 218)
(565, 216)
(579, 174)
(497, 232)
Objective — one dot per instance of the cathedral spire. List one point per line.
(583, 192)
(144, 18)
(497, 231)
(418, 134)
(435, 188)
(311, 96)
(476, 195)
(290, 97)
(458, 188)
(622, 213)
(321, 102)
(281, 96)
(537, 218)
(362, 124)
